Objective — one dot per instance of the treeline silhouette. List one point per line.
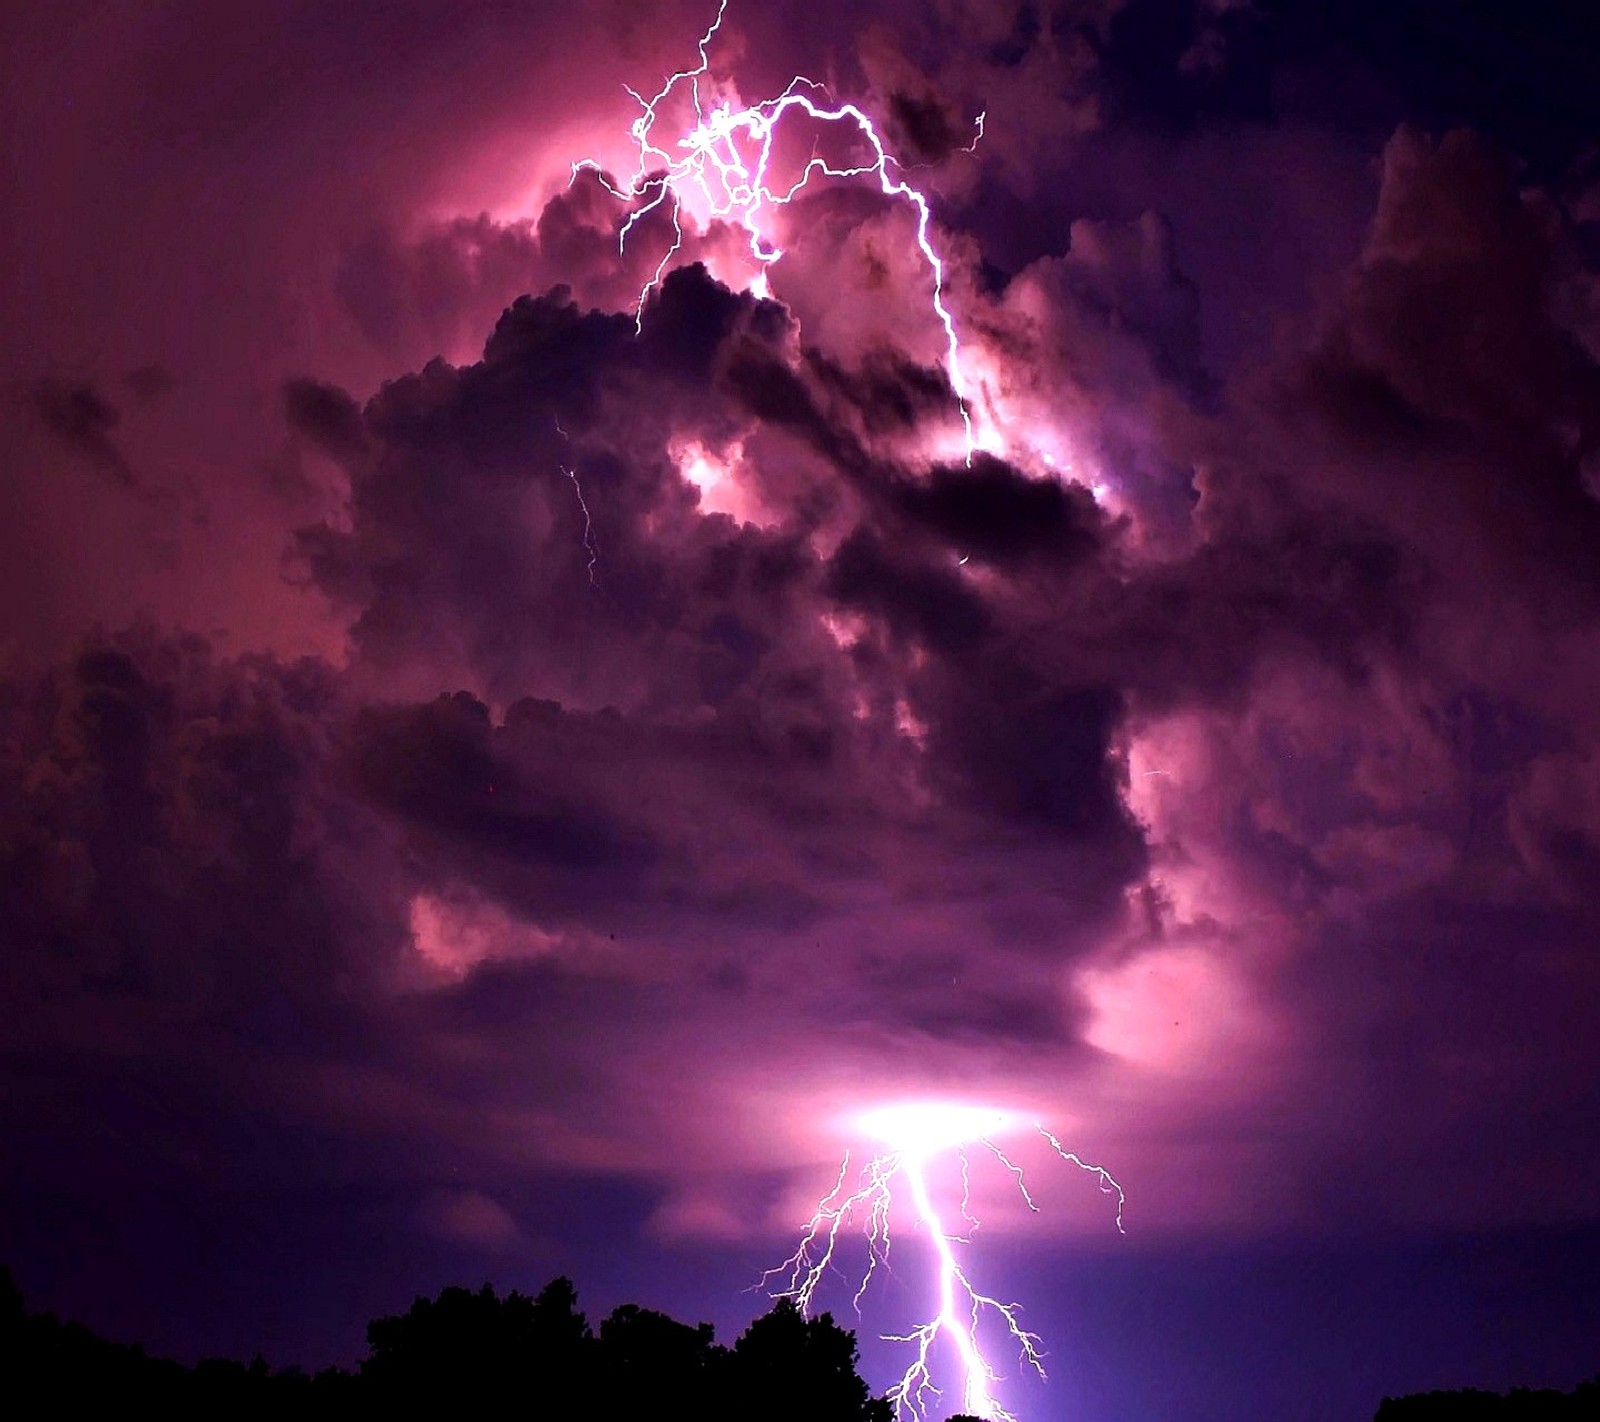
(1519, 1405)
(464, 1348)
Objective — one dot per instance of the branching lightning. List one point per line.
(727, 158)
(1108, 1186)
(915, 1135)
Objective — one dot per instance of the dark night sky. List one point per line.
(1211, 771)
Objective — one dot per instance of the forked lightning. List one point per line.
(727, 157)
(914, 1135)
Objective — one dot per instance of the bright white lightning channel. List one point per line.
(914, 1134)
(726, 157)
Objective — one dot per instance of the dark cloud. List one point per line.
(154, 794)
(930, 605)
(997, 514)
(1183, 64)
(435, 767)
(78, 415)
(1039, 754)
(776, 394)
(492, 486)
(1413, 488)
(922, 129)
(886, 392)
(1455, 405)
(327, 417)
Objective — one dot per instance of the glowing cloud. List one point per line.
(716, 475)
(922, 1128)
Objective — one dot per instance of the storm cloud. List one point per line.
(574, 744)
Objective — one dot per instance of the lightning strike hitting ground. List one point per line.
(727, 156)
(915, 1134)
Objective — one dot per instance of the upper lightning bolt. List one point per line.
(727, 157)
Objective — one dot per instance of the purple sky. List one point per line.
(1211, 771)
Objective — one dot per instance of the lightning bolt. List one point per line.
(864, 1207)
(726, 157)
(590, 546)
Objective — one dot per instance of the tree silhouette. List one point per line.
(789, 1368)
(1473, 1405)
(646, 1357)
(465, 1346)
(463, 1349)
